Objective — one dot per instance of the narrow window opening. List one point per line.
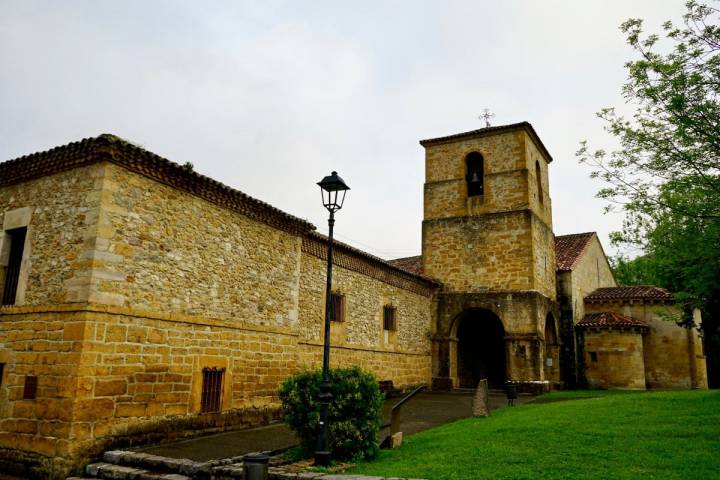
(389, 318)
(474, 174)
(2, 370)
(16, 237)
(337, 307)
(212, 387)
(538, 178)
(30, 390)
(593, 357)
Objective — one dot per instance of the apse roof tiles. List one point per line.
(634, 292)
(609, 320)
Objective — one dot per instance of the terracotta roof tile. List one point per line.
(110, 148)
(609, 320)
(634, 292)
(409, 264)
(489, 131)
(569, 249)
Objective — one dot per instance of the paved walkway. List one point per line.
(425, 410)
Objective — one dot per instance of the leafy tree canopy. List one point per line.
(665, 175)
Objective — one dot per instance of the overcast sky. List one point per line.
(270, 96)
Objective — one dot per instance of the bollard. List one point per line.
(255, 466)
(512, 394)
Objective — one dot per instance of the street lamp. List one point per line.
(332, 189)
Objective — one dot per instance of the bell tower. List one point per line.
(487, 235)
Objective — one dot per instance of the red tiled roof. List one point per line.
(634, 292)
(569, 249)
(409, 264)
(609, 320)
(491, 130)
(110, 148)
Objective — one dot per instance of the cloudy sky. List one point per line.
(269, 96)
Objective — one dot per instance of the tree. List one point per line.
(666, 174)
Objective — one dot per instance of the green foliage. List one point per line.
(665, 175)
(355, 412)
(669, 155)
(620, 435)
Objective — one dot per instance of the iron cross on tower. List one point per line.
(486, 115)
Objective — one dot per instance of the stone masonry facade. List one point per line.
(149, 303)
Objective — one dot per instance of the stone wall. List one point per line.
(133, 287)
(166, 250)
(673, 356)
(472, 254)
(543, 251)
(614, 359)
(403, 356)
(114, 376)
(499, 240)
(60, 213)
(592, 271)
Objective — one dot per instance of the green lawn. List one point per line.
(615, 435)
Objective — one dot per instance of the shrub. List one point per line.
(354, 413)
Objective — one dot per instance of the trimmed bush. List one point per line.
(355, 413)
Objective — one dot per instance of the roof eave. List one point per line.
(483, 132)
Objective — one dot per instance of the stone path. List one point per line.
(425, 410)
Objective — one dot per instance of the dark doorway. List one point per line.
(480, 349)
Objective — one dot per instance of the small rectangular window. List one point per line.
(212, 387)
(16, 237)
(337, 307)
(593, 357)
(2, 370)
(389, 322)
(30, 390)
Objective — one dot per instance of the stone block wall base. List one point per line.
(28, 465)
(442, 384)
(533, 387)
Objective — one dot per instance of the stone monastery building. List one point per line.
(143, 301)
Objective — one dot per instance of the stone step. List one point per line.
(109, 471)
(156, 463)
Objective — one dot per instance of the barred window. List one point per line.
(16, 237)
(337, 307)
(30, 390)
(212, 389)
(389, 321)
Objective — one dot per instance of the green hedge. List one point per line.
(355, 413)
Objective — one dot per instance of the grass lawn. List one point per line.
(614, 435)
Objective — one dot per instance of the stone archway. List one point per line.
(480, 349)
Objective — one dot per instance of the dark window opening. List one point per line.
(389, 320)
(337, 307)
(474, 175)
(212, 389)
(30, 390)
(12, 274)
(593, 357)
(2, 369)
(538, 179)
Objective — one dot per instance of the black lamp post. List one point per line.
(332, 189)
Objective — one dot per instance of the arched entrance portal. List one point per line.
(480, 349)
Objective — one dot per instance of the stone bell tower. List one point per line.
(487, 235)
